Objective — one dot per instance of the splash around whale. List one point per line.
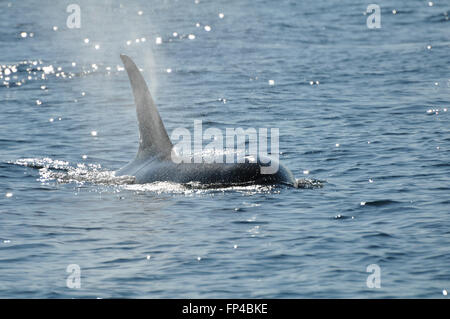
(155, 162)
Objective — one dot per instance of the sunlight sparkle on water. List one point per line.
(48, 69)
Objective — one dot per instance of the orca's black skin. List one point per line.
(153, 170)
(153, 162)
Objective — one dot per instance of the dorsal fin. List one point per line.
(153, 138)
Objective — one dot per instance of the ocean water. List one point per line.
(364, 124)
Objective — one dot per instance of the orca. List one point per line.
(154, 160)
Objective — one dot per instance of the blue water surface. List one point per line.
(363, 120)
